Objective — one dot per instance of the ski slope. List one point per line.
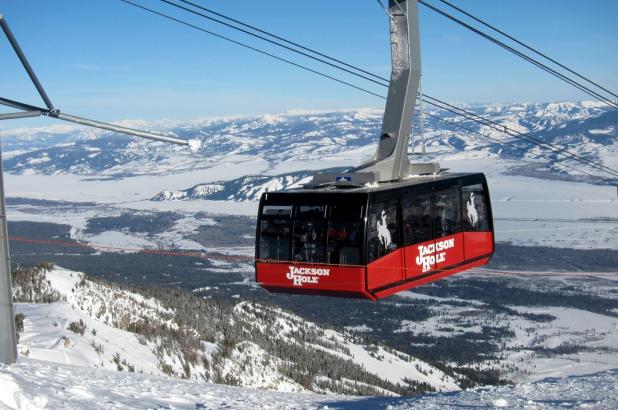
(106, 311)
(34, 384)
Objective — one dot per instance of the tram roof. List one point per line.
(378, 187)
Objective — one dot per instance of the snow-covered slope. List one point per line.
(94, 340)
(246, 188)
(34, 384)
(95, 324)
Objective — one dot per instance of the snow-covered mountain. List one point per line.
(298, 141)
(34, 384)
(70, 319)
(246, 188)
(89, 344)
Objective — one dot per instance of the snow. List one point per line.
(46, 335)
(195, 145)
(604, 131)
(252, 145)
(359, 328)
(119, 240)
(513, 198)
(571, 326)
(523, 360)
(34, 384)
(257, 368)
(104, 310)
(401, 367)
(390, 365)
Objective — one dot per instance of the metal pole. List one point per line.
(25, 63)
(20, 105)
(116, 128)
(32, 111)
(15, 115)
(8, 341)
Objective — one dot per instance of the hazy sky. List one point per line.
(108, 60)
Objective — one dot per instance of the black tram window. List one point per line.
(475, 216)
(417, 226)
(345, 234)
(277, 210)
(347, 212)
(309, 235)
(275, 238)
(447, 212)
(382, 229)
(310, 212)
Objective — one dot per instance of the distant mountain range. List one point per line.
(303, 138)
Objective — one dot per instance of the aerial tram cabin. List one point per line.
(373, 242)
(385, 226)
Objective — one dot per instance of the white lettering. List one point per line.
(428, 255)
(300, 276)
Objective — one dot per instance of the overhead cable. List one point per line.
(435, 102)
(529, 59)
(267, 39)
(521, 43)
(550, 146)
(287, 41)
(257, 50)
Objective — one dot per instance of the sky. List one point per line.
(107, 60)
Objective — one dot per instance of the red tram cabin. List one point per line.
(372, 242)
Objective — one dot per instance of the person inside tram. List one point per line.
(309, 249)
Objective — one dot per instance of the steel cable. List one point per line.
(521, 43)
(469, 115)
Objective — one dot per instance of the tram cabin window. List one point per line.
(277, 210)
(447, 212)
(417, 220)
(475, 216)
(275, 233)
(345, 234)
(309, 241)
(309, 237)
(382, 229)
(310, 212)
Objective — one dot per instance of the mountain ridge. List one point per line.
(301, 137)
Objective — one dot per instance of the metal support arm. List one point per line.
(391, 161)
(32, 111)
(51, 111)
(123, 130)
(8, 351)
(25, 114)
(25, 63)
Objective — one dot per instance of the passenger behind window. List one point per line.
(309, 242)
